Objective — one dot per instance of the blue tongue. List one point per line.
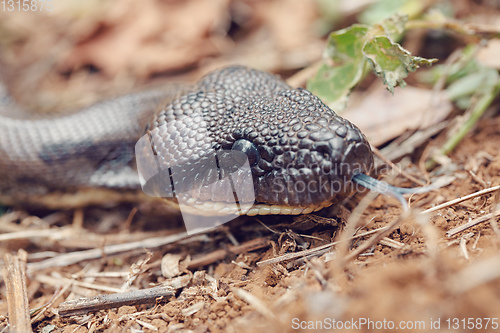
(387, 189)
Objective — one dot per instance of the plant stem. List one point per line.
(479, 108)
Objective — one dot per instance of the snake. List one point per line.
(290, 139)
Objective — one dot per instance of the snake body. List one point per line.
(289, 136)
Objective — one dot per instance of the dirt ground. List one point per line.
(431, 271)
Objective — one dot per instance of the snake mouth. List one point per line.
(213, 208)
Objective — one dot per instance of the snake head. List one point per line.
(290, 149)
(304, 155)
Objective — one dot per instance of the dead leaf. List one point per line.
(382, 116)
(170, 265)
(152, 36)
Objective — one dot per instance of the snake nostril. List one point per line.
(322, 148)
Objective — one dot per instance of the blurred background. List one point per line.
(80, 50)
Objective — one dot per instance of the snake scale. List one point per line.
(289, 136)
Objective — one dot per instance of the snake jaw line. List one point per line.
(210, 208)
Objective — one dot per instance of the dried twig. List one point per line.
(40, 313)
(101, 302)
(472, 223)
(391, 243)
(214, 256)
(69, 236)
(74, 257)
(463, 247)
(55, 234)
(314, 251)
(467, 197)
(14, 274)
(481, 219)
(375, 238)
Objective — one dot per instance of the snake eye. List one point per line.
(249, 149)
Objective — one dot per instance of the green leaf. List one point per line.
(344, 50)
(350, 51)
(391, 61)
